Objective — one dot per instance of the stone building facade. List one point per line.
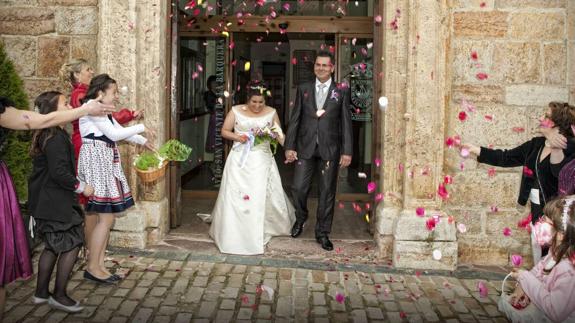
(504, 59)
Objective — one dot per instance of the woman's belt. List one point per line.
(101, 138)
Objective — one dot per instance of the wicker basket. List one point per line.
(148, 176)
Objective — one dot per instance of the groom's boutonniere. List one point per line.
(334, 95)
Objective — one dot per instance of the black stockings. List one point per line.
(46, 264)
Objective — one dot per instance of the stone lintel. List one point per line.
(419, 255)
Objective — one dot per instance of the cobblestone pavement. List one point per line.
(164, 287)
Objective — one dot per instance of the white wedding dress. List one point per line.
(252, 206)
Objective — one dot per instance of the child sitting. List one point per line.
(546, 293)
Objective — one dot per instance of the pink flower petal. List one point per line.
(482, 288)
(516, 260)
(371, 186)
(491, 172)
(481, 76)
(507, 231)
(420, 211)
(518, 129)
(447, 179)
(378, 197)
(246, 197)
(464, 152)
(527, 172)
(377, 162)
(442, 192)
(462, 116)
(474, 55)
(340, 298)
(378, 19)
(461, 227)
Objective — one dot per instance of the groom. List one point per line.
(319, 132)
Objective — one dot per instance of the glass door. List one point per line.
(355, 67)
(203, 62)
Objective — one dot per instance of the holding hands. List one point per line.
(291, 156)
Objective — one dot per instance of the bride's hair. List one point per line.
(257, 88)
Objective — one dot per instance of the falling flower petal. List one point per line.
(437, 254)
(474, 55)
(494, 209)
(524, 223)
(516, 260)
(378, 19)
(247, 66)
(430, 224)
(488, 117)
(245, 299)
(367, 217)
(378, 197)
(464, 152)
(491, 172)
(341, 205)
(450, 219)
(518, 129)
(462, 116)
(377, 162)
(420, 211)
(371, 186)
(340, 298)
(361, 175)
(294, 60)
(320, 112)
(226, 94)
(402, 315)
(461, 227)
(507, 231)
(481, 76)
(447, 179)
(527, 172)
(442, 192)
(482, 288)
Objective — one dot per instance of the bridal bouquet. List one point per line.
(270, 134)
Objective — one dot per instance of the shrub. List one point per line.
(15, 150)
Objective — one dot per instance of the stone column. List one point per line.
(132, 49)
(415, 68)
(571, 50)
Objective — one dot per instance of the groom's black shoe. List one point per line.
(297, 229)
(325, 243)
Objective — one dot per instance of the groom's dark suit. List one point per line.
(319, 139)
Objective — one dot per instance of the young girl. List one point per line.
(99, 165)
(550, 286)
(53, 205)
(78, 73)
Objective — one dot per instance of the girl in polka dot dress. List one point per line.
(99, 165)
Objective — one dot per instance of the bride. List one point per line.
(252, 205)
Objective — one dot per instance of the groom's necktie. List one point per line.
(320, 96)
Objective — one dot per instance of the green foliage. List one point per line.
(15, 150)
(175, 150)
(147, 160)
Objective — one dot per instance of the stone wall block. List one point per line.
(384, 245)
(480, 24)
(128, 240)
(477, 93)
(541, 95)
(571, 20)
(77, 21)
(26, 21)
(412, 227)
(482, 251)
(516, 62)
(84, 47)
(465, 68)
(22, 52)
(496, 129)
(474, 4)
(555, 63)
(132, 221)
(69, 2)
(154, 211)
(500, 190)
(537, 26)
(419, 255)
(386, 219)
(470, 217)
(571, 63)
(12, 3)
(521, 4)
(34, 87)
(52, 53)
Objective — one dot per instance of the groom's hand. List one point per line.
(291, 156)
(344, 161)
